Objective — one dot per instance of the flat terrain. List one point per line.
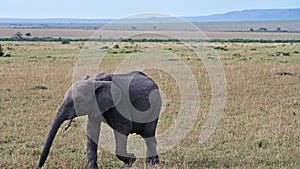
(116, 34)
(289, 25)
(259, 128)
(181, 30)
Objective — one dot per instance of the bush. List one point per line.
(28, 34)
(1, 51)
(18, 36)
(116, 46)
(220, 48)
(65, 41)
(7, 55)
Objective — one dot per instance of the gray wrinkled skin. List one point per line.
(129, 103)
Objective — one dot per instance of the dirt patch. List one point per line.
(281, 54)
(39, 87)
(285, 74)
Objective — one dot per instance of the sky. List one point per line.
(115, 9)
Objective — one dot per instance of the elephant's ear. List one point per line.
(108, 95)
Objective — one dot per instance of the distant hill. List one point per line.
(245, 15)
(250, 15)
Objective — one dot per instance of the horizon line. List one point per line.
(116, 18)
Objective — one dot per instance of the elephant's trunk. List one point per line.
(60, 117)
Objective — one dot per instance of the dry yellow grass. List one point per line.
(259, 129)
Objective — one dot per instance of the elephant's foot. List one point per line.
(128, 160)
(152, 160)
(92, 165)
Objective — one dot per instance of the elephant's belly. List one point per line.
(137, 127)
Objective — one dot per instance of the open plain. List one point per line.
(259, 127)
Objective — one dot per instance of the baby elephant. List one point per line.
(128, 103)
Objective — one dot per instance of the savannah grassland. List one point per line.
(260, 127)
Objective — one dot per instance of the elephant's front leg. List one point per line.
(93, 130)
(121, 149)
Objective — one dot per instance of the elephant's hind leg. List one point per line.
(149, 136)
(121, 149)
(152, 157)
(93, 130)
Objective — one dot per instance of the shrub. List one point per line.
(116, 46)
(65, 41)
(220, 48)
(1, 51)
(28, 34)
(18, 36)
(105, 47)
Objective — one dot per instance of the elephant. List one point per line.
(128, 103)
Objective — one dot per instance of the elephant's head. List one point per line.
(84, 97)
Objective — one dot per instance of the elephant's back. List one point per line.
(140, 90)
(137, 85)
